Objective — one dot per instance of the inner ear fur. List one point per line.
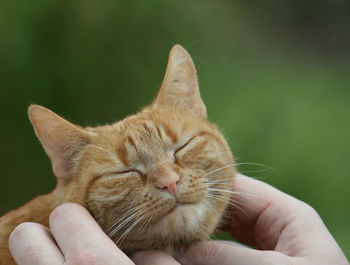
(61, 139)
(180, 85)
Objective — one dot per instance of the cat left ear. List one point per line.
(61, 139)
(180, 85)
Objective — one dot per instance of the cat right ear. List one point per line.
(180, 85)
(61, 139)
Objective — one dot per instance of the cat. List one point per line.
(159, 179)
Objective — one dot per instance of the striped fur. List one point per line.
(113, 170)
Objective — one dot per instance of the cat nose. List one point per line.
(168, 182)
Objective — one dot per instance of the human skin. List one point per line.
(284, 231)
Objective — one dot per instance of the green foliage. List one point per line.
(281, 100)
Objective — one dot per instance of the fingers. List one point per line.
(214, 253)
(254, 196)
(270, 220)
(262, 212)
(32, 244)
(153, 257)
(77, 234)
(81, 239)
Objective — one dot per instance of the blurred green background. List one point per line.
(275, 76)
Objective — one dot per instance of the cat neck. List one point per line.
(37, 210)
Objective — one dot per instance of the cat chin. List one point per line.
(185, 217)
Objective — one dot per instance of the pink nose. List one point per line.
(168, 182)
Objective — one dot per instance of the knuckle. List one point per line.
(211, 250)
(308, 209)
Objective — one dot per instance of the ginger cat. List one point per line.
(159, 179)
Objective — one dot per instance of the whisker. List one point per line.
(219, 184)
(253, 164)
(266, 168)
(122, 224)
(218, 169)
(248, 197)
(220, 180)
(255, 171)
(145, 224)
(234, 203)
(207, 204)
(229, 201)
(236, 193)
(221, 190)
(125, 221)
(127, 231)
(237, 201)
(121, 218)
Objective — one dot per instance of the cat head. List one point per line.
(156, 179)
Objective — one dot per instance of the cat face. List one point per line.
(158, 179)
(141, 152)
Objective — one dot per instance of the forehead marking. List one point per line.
(159, 133)
(132, 143)
(88, 186)
(172, 135)
(147, 129)
(122, 154)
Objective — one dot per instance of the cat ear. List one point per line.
(180, 85)
(61, 139)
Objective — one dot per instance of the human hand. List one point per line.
(284, 230)
(74, 238)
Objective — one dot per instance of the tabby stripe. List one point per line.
(88, 186)
(148, 130)
(123, 155)
(170, 134)
(159, 133)
(132, 143)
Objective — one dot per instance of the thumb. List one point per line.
(216, 252)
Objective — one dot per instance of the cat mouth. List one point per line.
(179, 205)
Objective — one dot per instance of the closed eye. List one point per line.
(183, 146)
(125, 172)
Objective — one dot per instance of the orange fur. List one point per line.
(151, 180)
